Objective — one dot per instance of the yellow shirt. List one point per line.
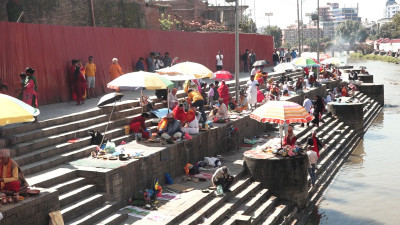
(14, 174)
(195, 96)
(90, 69)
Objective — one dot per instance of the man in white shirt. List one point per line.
(219, 58)
(252, 91)
(173, 100)
(312, 160)
(222, 177)
(307, 104)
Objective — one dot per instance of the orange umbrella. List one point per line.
(280, 112)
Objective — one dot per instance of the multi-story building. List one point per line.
(290, 34)
(391, 8)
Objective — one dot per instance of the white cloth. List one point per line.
(328, 99)
(312, 158)
(307, 104)
(222, 111)
(252, 92)
(211, 161)
(253, 71)
(219, 59)
(193, 127)
(176, 135)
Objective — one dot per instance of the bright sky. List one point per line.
(285, 11)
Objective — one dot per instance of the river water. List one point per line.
(366, 190)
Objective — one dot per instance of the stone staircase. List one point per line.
(250, 203)
(42, 151)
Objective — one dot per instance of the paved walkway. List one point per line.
(65, 108)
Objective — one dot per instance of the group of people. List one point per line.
(156, 61)
(281, 56)
(28, 91)
(248, 58)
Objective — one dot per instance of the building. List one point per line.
(290, 34)
(391, 8)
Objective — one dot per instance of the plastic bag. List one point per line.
(220, 190)
(187, 136)
(168, 179)
(110, 147)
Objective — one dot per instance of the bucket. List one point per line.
(127, 129)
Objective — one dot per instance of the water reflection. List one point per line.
(365, 191)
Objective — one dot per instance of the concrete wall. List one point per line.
(121, 183)
(375, 91)
(32, 210)
(351, 114)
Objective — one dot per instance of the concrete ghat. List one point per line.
(136, 175)
(375, 91)
(351, 114)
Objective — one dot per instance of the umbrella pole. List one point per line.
(141, 99)
(109, 118)
(168, 99)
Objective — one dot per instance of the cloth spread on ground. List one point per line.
(98, 163)
(169, 196)
(144, 213)
(160, 113)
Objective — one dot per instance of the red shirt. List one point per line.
(139, 119)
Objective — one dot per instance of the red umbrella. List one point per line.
(222, 75)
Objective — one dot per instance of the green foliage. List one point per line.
(350, 32)
(384, 58)
(247, 25)
(166, 22)
(276, 32)
(390, 30)
(290, 45)
(313, 43)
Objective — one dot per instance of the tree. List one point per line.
(350, 32)
(166, 22)
(312, 43)
(276, 32)
(247, 25)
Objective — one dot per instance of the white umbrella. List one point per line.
(187, 68)
(281, 68)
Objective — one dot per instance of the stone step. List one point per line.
(377, 110)
(76, 194)
(213, 204)
(263, 210)
(70, 185)
(232, 203)
(53, 176)
(287, 217)
(57, 160)
(78, 208)
(371, 107)
(275, 215)
(249, 206)
(307, 130)
(116, 218)
(96, 214)
(332, 141)
(321, 131)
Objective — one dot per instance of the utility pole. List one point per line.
(302, 26)
(317, 37)
(236, 47)
(298, 26)
(269, 14)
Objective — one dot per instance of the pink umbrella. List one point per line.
(222, 75)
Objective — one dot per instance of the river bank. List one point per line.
(373, 57)
(364, 191)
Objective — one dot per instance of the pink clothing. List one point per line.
(29, 94)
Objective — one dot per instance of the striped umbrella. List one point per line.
(280, 112)
(139, 81)
(304, 61)
(15, 111)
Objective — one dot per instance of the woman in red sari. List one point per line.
(80, 83)
(290, 138)
(223, 91)
(29, 95)
(316, 144)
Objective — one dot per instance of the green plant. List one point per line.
(384, 58)
(166, 22)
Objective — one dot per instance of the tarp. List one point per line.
(49, 49)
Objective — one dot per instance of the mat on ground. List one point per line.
(144, 213)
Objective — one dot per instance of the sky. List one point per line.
(285, 11)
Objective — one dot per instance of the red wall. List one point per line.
(49, 49)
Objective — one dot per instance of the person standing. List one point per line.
(307, 104)
(288, 56)
(294, 54)
(282, 55)
(90, 69)
(115, 69)
(245, 57)
(318, 109)
(252, 58)
(139, 64)
(196, 100)
(151, 62)
(80, 83)
(275, 58)
(252, 91)
(30, 88)
(223, 92)
(315, 143)
(71, 79)
(167, 60)
(312, 164)
(219, 59)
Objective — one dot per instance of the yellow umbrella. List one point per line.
(187, 68)
(15, 111)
